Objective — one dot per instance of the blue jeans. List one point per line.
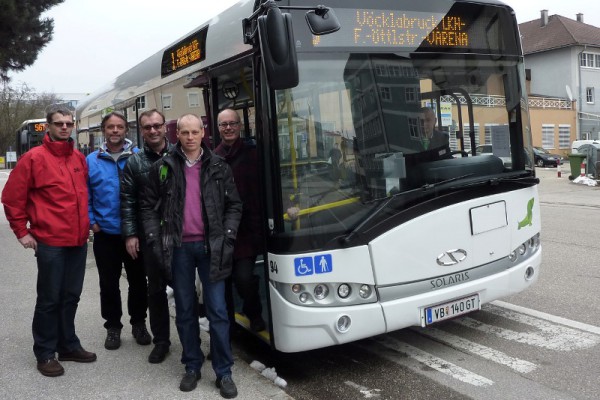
(59, 284)
(188, 259)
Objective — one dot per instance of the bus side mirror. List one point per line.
(278, 49)
(322, 21)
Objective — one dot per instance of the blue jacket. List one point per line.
(104, 187)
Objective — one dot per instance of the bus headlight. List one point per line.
(344, 290)
(512, 256)
(522, 249)
(321, 291)
(303, 297)
(365, 291)
(343, 324)
(534, 242)
(326, 294)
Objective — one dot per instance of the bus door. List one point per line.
(231, 86)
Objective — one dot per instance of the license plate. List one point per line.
(451, 309)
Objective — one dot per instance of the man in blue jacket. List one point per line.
(105, 166)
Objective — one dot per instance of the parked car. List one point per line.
(544, 158)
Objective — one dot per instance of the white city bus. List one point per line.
(390, 232)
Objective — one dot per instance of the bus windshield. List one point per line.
(364, 127)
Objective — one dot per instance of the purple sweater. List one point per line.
(193, 225)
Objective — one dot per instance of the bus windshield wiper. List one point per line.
(386, 200)
(521, 180)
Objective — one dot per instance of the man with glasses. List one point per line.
(241, 157)
(45, 201)
(133, 181)
(105, 166)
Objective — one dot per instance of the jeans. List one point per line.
(111, 255)
(59, 283)
(158, 304)
(188, 259)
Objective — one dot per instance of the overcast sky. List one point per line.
(96, 41)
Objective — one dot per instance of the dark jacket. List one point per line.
(133, 182)
(243, 160)
(163, 203)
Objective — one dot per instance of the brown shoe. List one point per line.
(50, 367)
(79, 355)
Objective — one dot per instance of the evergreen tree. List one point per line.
(23, 33)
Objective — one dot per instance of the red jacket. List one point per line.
(48, 190)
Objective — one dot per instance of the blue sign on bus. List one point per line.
(303, 266)
(323, 264)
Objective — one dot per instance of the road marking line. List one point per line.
(432, 361)
(553, 318)
(368, 393)
(546, 335)
(488, 353)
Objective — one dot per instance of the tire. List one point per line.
(539, 163)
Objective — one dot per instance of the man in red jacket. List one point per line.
(48, 190)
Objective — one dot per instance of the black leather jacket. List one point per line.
(164, 199)
(133, 181)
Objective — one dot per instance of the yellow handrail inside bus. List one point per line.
(322, 207)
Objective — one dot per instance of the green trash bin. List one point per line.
(575, 160)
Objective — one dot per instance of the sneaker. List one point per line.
(113, 339)
(257, 324)
(50, 367)
(228, 389)
(189, 380)
(204, 324)
(158, 353)
(79, 355)
(141, 335)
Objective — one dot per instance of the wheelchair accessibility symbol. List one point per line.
(303, 266)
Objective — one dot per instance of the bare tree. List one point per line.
(18, 104)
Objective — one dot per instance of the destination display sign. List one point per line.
(464, 28)
(39, 127)
(184, 53)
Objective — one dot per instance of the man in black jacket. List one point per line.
(133, 180)
(191, 211)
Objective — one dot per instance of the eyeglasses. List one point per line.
(60, 124)
(230, 124)
(148, 128)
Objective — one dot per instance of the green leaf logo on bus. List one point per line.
(527, 220)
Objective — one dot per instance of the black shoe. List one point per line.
(50, 367)
(113, 339)
(257, 324)
(158, 353)
(189, 380)
(79, 355)
(228, 389)
(141, 335)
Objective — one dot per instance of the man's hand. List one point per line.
(132, 244)
(28, 242)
